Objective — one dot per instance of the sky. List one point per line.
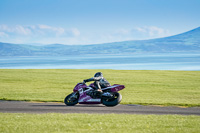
(94, 21)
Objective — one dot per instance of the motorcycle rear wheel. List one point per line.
(114, 101)
(71, 101)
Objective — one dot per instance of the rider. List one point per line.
(99, 81)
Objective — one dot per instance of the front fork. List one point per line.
(74, 95)
(107, 95)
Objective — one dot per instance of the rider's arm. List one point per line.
(93, 79)
(97, 78)
(88, 80)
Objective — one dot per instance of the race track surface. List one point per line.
(39, 107)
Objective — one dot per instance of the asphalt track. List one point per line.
(49, 107)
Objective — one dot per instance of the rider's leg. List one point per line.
(98, 90)
(97, 86)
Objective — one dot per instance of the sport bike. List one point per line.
(84, 94)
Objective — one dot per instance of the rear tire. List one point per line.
(114, 101)
(71, 101)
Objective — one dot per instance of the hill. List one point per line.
(185, 42)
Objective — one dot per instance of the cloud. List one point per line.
(75, 32)
(5, 28)
(18, 29)
(152, 31)
(38, 29)
(57, 30)
(2, 34)
(22, 30)
(46, 34)
(140, 33)
(36, 33)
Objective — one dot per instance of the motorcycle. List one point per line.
(84, 94)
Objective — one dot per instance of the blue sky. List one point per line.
(94, 21)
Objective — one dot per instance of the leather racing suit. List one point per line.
(99, 82)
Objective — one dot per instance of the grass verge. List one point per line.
(19, 123)
(168, 88)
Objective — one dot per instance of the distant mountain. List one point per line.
(185, 42)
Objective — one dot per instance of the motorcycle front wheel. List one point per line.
(115, 100)
(71, 99)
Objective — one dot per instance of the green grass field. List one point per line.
(179, 88)
(102, 123)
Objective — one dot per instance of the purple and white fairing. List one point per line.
(116, 87)
(86, 99)
(79, 86)
(83, 97)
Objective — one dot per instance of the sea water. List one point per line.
(164, 61)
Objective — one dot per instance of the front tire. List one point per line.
(113, 101)
(71, 100)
